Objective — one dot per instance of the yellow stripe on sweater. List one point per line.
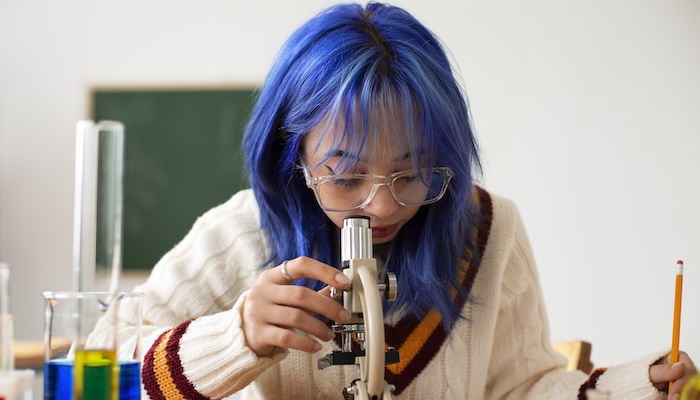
(162, 372)
(420, 335)
(415, 341)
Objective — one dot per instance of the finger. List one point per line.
(690, 368)
(305, 267)
(669, 372)
(307, 300)
(290, 317)
(262, 339)
(688, 371)
(285, 338)
(661, 374)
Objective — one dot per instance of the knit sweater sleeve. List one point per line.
(192, 336)
(523, 363)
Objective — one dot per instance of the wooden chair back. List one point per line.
(577, 352)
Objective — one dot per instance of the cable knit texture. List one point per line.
(193, 327)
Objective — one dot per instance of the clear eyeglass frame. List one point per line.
(315, 183)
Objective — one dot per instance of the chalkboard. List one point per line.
(182, 157)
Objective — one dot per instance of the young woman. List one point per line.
(361, 115)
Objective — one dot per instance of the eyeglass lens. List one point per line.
(352, 191)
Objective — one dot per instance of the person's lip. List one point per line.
(383, 231)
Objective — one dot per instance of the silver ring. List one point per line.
(284, 272)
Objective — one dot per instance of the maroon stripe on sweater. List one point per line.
(590, 383)
(426, 354)
(174, 367)
(183, 384)
(150, 383)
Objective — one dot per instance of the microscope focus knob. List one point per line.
(391, 286)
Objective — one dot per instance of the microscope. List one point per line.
(362, 338)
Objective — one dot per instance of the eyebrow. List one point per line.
(343, 154)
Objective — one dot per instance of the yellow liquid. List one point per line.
(96, 375)
(691, 389)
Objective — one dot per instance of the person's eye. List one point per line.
(409, 178)
(347, 182)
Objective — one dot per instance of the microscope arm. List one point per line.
(373, 370)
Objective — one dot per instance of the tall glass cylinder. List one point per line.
(97, 233)
(14, 384)
(7, 356)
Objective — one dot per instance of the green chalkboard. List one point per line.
(181, 157)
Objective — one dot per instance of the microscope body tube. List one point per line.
(356, 249)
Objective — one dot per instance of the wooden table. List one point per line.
(29, 354)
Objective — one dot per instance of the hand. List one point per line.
(661, 373)
(273, 307)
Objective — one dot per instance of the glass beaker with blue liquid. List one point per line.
(92, 345)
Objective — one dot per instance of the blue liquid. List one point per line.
(129, 380)
(58, 380)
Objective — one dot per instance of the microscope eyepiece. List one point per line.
(356, 238)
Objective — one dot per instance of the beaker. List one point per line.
(91, 344)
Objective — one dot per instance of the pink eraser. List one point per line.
(679, 262)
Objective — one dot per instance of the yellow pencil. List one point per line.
(675, 341)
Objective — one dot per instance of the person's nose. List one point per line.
(383, 203)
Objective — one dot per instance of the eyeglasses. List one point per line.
(346, 192)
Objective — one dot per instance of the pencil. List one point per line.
(675, 341)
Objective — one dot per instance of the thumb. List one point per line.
(661, 374)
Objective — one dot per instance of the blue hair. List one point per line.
(354, 65)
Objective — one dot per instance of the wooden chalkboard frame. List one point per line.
(182, 157)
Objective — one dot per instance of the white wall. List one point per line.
(587, 113)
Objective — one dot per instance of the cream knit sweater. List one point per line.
(195, 347)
